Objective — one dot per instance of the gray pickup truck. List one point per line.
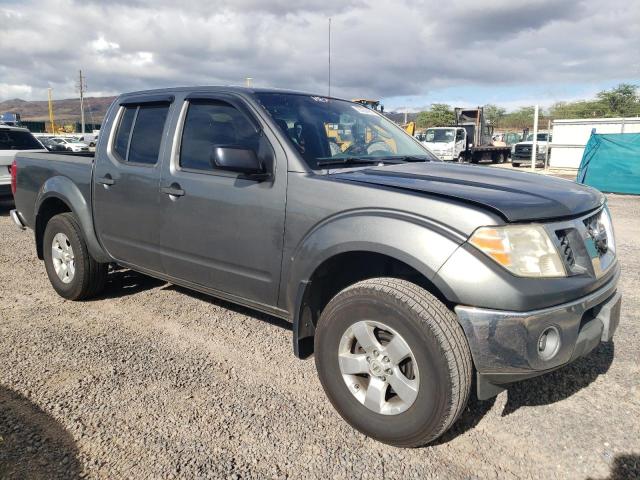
(405, 277)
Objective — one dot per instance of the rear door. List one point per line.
(223, 231)
(126, 197)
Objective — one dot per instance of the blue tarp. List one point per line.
(611, 163)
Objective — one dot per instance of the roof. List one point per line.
(229, 88)
(4, 126)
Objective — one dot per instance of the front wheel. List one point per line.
(393, 361)
(73, 273)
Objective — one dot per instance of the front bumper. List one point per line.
(505, 345)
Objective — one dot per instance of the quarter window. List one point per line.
(211, 124)
(140, 133)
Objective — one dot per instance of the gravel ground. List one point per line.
(152, 381)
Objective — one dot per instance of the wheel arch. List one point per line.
(59, 195)
(338, 272)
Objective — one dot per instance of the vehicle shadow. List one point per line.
(263, 317)
(32, 443)
(562, 383)
(625, 466)
(124, 282)
(5, 207)
(473, 413)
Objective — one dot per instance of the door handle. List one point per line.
(106, 180)
(174, 190)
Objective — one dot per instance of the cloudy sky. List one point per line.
(410, 54)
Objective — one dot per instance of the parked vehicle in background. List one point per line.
(89, 138)
(521, 151)
(71, 144)
(13, 140)
(404, 276)
(478, 139)
(447, 143)
(52, 146)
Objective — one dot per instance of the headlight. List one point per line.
(524, 250)
(605, 220)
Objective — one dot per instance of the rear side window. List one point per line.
(18, 140)
(121, 144)
(211, 124)
(140, 133)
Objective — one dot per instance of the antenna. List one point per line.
(329, 57)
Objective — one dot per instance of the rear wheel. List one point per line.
(393, 361)
(73, 273)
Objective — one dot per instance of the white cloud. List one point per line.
(101, 45)
(380, 49)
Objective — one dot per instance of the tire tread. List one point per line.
(437, 318)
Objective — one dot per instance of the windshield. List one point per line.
(18, 140)
(440, 135)
(542, 137)
(325, 130)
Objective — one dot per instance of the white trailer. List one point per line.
(571, 136)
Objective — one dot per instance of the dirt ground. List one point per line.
(153, 381)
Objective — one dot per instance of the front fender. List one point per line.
(66, 190)
(416, 241)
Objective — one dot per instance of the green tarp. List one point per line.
(611, 163)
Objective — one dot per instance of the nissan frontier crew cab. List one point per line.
(404, 276)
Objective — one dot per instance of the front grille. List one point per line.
(523, 149)
(565, 248)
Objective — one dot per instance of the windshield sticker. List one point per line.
(320, 99)
(364, 110)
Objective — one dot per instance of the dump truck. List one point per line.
(478, 134)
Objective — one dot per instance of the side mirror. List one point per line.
(241, 160)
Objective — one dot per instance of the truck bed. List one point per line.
(66, 171)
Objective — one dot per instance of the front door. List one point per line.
(223, 231)
(126, 197)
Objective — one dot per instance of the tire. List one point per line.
(461, 158)
(438, 366)
(73, 273)
(515, 164)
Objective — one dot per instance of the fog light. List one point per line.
(549, 343)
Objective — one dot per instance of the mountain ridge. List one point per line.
(65, 110)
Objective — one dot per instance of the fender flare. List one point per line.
(416, 241)
(62, 188)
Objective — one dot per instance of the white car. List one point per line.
(14, 140)
(72, 144)
(447, 143)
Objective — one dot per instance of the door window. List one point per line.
(140, 133)
(212, 124)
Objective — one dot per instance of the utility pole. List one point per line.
(329, 57)
(534, 147)
(248, 81)
(82, 86)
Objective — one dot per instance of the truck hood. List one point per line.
(516, 196)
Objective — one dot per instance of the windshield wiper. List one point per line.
(347, 161)
(407, 158)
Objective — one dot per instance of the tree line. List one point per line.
(621, 101)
